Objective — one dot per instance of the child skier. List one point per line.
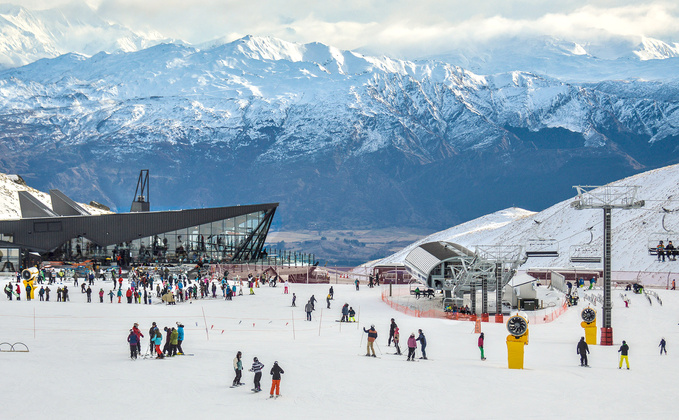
(275, 379)
(412, 345)
(396, 339)
(257, 367)
(352, 314)
(480, 343)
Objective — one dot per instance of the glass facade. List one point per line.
(218, 241)
(9, 259)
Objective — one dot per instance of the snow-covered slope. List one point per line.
(9, 199)
(633, 231)
(29, 35)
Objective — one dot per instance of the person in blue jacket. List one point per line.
(133, 339)
(423, 344)
(180, 330)
(157, 340)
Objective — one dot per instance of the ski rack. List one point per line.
(654, 294)
(13, 349)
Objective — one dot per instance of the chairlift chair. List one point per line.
(586, 253)
(542, 248)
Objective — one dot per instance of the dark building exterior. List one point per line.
(67, 232)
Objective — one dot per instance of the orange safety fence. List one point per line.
(541, 316)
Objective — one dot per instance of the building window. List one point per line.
(42, 227)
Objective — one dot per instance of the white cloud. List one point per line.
(397, 27)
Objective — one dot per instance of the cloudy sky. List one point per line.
(397, 27)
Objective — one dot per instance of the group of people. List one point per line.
(174, 337)
(257, 368)
(395, 337)
(668, 250)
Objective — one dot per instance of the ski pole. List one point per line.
(378, 347)
(361, 343)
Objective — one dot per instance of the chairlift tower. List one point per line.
(607, 197)
(141, 201)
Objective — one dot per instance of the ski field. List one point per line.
(79, 365)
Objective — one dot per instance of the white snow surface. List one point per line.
(79, 366)
(632, 230)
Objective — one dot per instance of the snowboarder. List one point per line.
(391, 331)
(352, 314)
(275, 380)
(582, 350)
(238, 367)
(372, 335)
(662, 346)
(180, 338)
(480, 343)
(294, 298)
(624, 350)
(396, 340)
(412, 345)
(308, 308)
(257, 367)
(133, 339)
(423, 344)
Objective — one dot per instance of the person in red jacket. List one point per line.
(138, 333)
(18, 292)
(483, 357)
(128, 294)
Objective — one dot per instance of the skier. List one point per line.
(133, 339)
(89, 294)
(624, 350)
(137, 331)
(47, 294)
(308, 308)
(357, 283)
(583, 349)
(423, 344)
(312, 301)
(345, 313)
(238, 367)
(41, 293)
(174, 338)
(372, 335)
(662, 346)
(166, 347)
(294, 298)
(352, 313)
(396, 340)
(101, 295)
(257, 367)
(275, 379)
(391, 331)
(120, 295)
(152, 336)
(180, 338)
(412, 345)
(331, 293)
(157, 338)
(480, 343)
(327, 299)
(285, 291)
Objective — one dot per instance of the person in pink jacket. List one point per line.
(412, 345)
(483, 357)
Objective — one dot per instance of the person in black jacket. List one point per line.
(423, 344)
(276, 379)
(583, 349)
(392, 327)
(624, 351)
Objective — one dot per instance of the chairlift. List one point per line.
(542, 248)
(586, 253)
(665, 237)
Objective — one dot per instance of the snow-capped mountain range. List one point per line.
(566, 230)
(340, 139)
(29, 35)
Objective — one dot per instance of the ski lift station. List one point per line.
(457, 271)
